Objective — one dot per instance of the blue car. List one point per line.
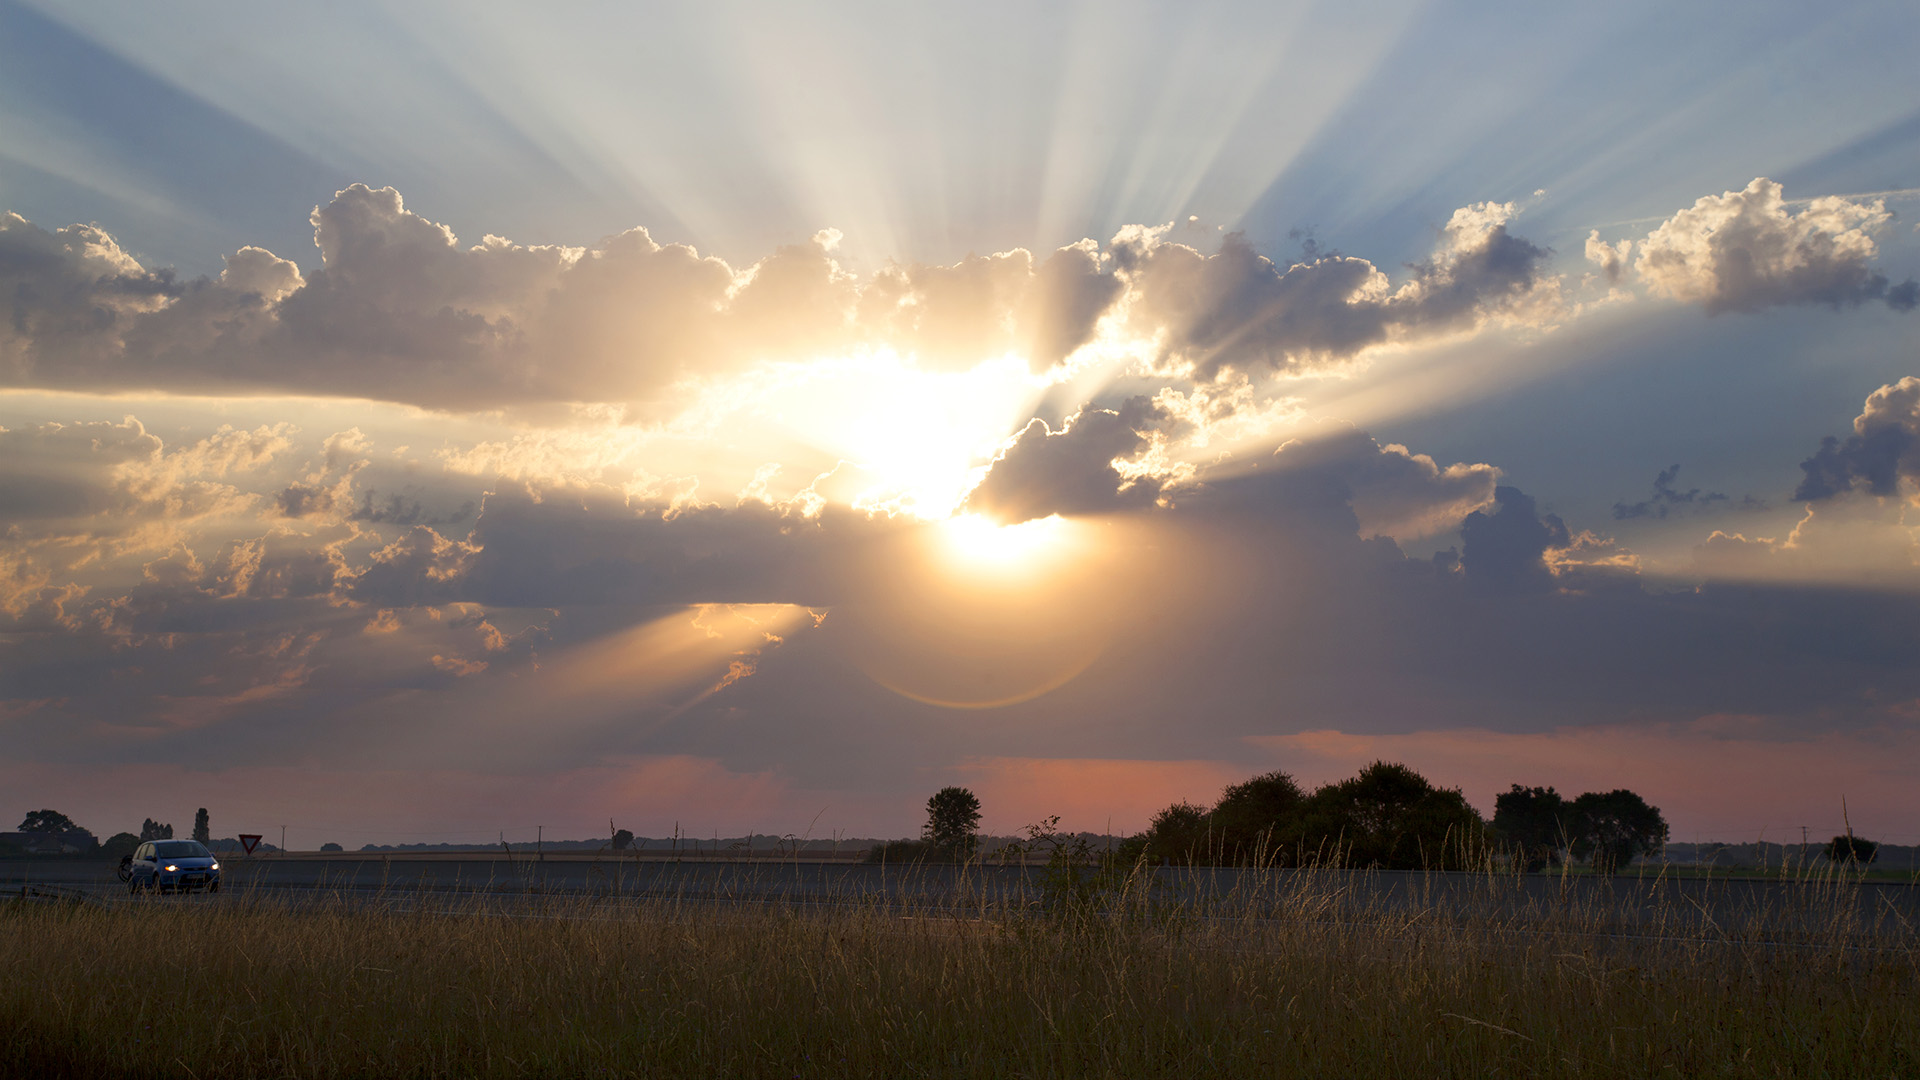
(173, 866)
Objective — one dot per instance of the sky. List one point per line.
(442, 422)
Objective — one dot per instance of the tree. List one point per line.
(1852, 850)
(153, 830)
(49, 822)
(58, 827)
(1391, 817)
(202, 831)
(1177, 835)
(1258, 820)
(1532, 823)
(953, 813)
(119, 844)
(1610, 829)
(331, 847)
(622, 840)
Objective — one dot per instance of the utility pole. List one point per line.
(283, 839)
(539, 840)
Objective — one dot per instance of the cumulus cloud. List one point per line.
(74, 496)
(400, 309)
(1392, 490)
(74, 285)
(1610, 258)
(1076, 470)
(1745, 250)
(326, 488)
(1240, 310)
(1883, 450)
(1504, 547)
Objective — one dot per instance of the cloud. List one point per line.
(77, 500)
(75, 285)
(1665, 497)
(1611, 258)
(1392, 490)
(1263, 596)
(1883, 450)
(400, 310)
(1239, 310)
(420, 567)
(1070, 292)
(1745, 251)
(1504, 547)
(1076, 470)
(1846, 542)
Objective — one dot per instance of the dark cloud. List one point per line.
(73, 284)
(1505, 546)
(419, 567)
(1665, 498)
(1069, 294)
(1392, 491)
(1071, 471)
(398, 509)
(1883, 450)
(1237, 309)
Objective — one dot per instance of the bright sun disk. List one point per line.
(981, 543)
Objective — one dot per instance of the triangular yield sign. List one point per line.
(248, 840)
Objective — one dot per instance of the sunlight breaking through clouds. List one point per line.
(837, 403)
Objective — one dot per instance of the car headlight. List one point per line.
(171, 869)
(215, 866)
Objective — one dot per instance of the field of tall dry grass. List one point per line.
(1294, 983)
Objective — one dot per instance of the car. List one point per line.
(172, 866)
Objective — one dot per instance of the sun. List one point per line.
(966, 613)
(979, 545)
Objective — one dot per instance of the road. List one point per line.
(1746, 907)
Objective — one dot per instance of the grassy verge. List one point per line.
(664, 988)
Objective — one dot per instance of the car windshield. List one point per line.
(180, 849)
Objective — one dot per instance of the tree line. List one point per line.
(1386, 817)
(1392, 818)
(50, 831)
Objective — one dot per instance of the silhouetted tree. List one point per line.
(1258, 821)
(202, 831)
(1531, 823)
(55, 825)
(119, 844)
(1609, 829)
(622, 840)
(331, 847)
(47, 822)
(1852, 850)
(1389, 816)
(953, 813)
(153, 830)
(1177, 835)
